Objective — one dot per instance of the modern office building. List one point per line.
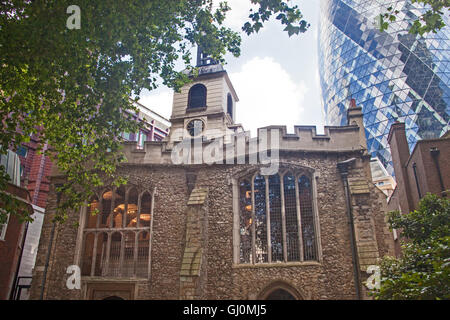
(393, 75)
(156, 127)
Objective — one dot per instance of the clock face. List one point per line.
(195, 127)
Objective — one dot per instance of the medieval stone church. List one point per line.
(212, 213)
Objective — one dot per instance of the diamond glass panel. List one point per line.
(392, 75)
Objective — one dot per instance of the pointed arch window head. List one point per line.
(146, 208)
(93, 213)
(276, 219)
(106, 202)
(230, 105)
(197, 96)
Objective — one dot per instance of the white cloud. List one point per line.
(160, 101)
(238, 15)
(267, 95)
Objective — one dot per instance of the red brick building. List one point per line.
(12, 232)
(35, 168)
(425, 170)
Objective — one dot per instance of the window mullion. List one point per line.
(138, 216)
(150, 234)
(299, 220)
(283, 219)
(316, 218)
(135, 252)
(122, 252)
(269, 238)
(94, 254)
(108, 250)
(236, 223)
(111, 210)
(125, 210)
(253, 223)
(100, 212)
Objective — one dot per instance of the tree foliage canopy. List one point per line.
(430, 21)
(71, 87)
(423, 271)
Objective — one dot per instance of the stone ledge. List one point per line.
(198, 196)
(277, 265)
(368, 254)
(358, 186)
(117, 280)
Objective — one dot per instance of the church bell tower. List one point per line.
(206, 107)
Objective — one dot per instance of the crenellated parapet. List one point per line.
(203, 130)
(335, 139)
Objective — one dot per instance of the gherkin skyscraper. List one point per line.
(392, 75)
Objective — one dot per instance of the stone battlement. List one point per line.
(335, 139)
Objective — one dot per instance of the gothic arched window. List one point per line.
(197, 96)
(117, 239)
(276, 219)
(230, 105)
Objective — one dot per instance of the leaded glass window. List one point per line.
(276, 219)
(117, 234)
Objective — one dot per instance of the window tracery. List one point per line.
(117, 234)
(276, 218)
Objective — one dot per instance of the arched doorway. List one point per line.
(280, 294)
(112, 298)
(110, 291)
(280, 290)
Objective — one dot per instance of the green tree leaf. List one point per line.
(423, 270)
(72, 88)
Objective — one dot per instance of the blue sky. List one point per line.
(276, 77)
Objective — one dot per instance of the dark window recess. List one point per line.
(22, 151)
(230, 105)
(417, 180)
(195, 127)
(280, 294)
(197, 96)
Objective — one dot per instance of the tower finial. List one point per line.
(203, 59)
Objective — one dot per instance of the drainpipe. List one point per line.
(343, 168)
(434, 154)
(47, 261)
(414, 166)
(49, 249)
(39, 176)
